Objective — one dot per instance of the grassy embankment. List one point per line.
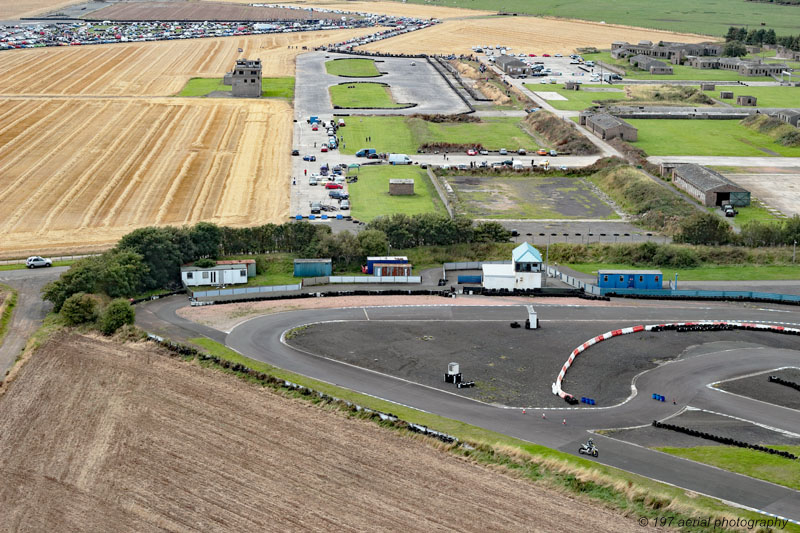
(270, 87)
(622, 491)
(767, 96)
(363, 95)
(353, 68)
(407, 134)
(680, 72)
(751, 463)
(707, 138)
(679, 15)
(8, 300)
(369, 196)
(656, 95)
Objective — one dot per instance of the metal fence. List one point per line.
(375, 279)
(246, 290)
(472, 265)
(589, 288)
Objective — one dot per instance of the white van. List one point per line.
(399, 159)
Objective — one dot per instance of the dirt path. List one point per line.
(97, 436)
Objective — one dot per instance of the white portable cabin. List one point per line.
(524, 272)
(223, 273)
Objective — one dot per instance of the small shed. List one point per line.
(726, 95)
(401, 187)
(707, 87)
(629, 279)
(746, 100)
(312, 268)
(572, 86)
(608, 127)
(708, 186)
(789, 116)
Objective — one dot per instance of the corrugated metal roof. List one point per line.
(703, 178)
(327, 260)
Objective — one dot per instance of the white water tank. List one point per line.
(452, 369)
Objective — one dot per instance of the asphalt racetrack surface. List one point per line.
(564, 428)
(759, 388)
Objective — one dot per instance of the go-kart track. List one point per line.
(565, 427)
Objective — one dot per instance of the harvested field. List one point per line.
(159, 68)
(83, 172)
(201, 11)
(28, 8)
(523, 34)
(389, 8)
(98, 436)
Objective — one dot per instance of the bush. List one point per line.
(79, 308)
(704, 228)
(205, 263)
(118, 313)
(261, 265)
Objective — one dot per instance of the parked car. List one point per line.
(309, 157)
(36, 261)
(472, 151)
(503, 151)
(324, 148)
(332, 185)
(484, 152)
(315, 208)
(295, 152)
(542, 151)
(338, 195)
(522, 151)
(344, 205)
(312, 181)
(553, 153)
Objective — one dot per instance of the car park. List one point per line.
(309, 157)
(36, 262)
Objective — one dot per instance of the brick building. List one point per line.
(708, 186)
(608, 126)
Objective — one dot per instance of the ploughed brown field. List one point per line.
(201, 11)
(99, 436)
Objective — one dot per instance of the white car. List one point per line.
(36, 261)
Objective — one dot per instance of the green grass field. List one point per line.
(354, 68)
(270, 87)
(710, 18)
(709, 273)
(706, 137)
(681, 72)
(578, 100)
(369, 196)
(753, 212)
(751, 463)
(406, 135)
(362, 95)
(767, 96)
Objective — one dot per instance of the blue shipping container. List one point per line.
(312, 268)
(469, 279)
(630, 279)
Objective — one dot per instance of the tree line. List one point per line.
(761, 36)
(150, 258)
(710, 229)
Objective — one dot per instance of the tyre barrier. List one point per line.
(754, 299)
(184, 350)
(723, 440)
(515, 325)
(659, 398)
(135, 301)
(388, 292)
(465, 384)
(780, 381)
(703, 325)
(588, 401)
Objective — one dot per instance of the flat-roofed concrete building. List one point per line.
(708, 186)
(401, 187)
(746, 100)
(608, 126)
(245, 78)
(653, 66)
(789, 116)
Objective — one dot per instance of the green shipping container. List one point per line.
(312, 268)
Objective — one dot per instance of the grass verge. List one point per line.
(627, 493)
(6, 309)
(353, 68)
(270, 87)
(767, 96)
(22, 266)
(751, 463)
(703, 273)
(362, 95)
(369, 196)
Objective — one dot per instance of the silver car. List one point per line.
(36, 261)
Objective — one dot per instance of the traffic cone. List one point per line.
(564, 422)
(544, 416)
(523, 411)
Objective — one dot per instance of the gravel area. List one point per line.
(514, 367)
(707, 422)
(757, 387)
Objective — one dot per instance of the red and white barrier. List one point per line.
(557, 390)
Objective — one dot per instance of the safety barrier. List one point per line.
(375, 279)
(704, 294)
(722, 440)
(246, 290)
(703, 325)
(575, 282)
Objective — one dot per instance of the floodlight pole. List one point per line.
(794, 251)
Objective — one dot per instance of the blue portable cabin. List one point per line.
(396, 260)
(630, 279)
(312, 268)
